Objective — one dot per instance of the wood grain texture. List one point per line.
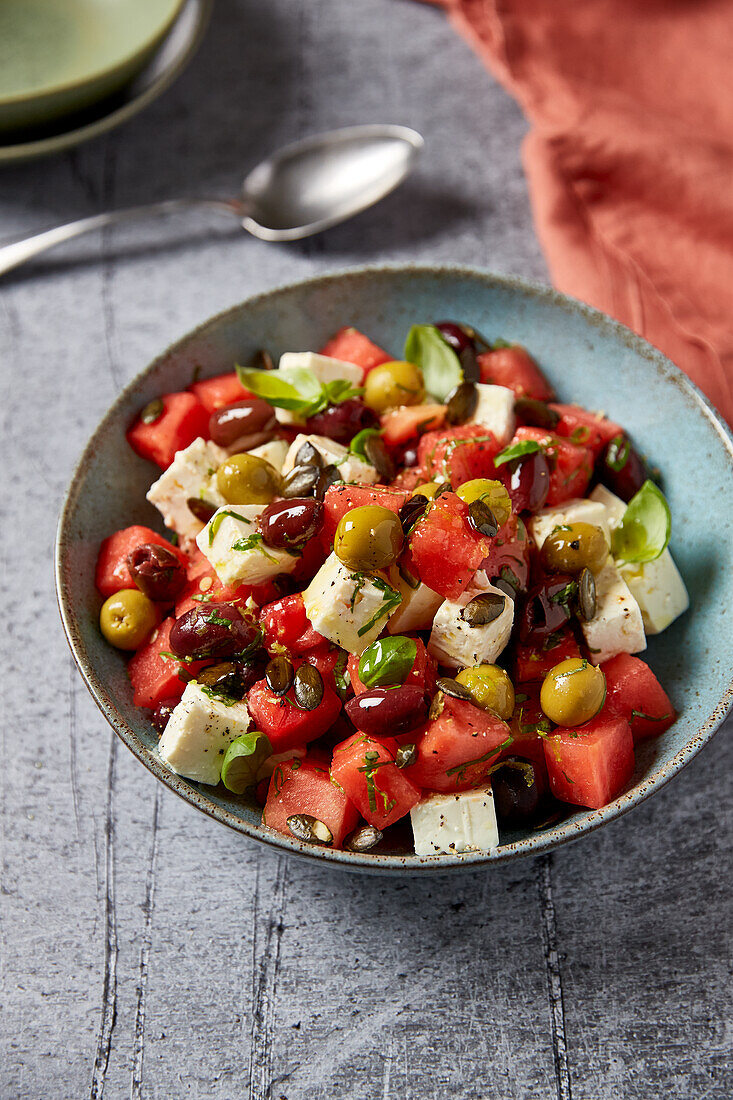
(146, 951)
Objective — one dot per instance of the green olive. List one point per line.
(368, 538)
(247, 479)
(427, 489)
(392, 384)
(574, 547)
(573, 692)
(492, 493)
(490, 687)
(127, 618)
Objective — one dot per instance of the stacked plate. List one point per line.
(72, 69)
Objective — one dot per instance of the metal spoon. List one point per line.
(302, 189)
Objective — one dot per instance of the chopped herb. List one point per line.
(356, 447)
(218, 519)
(390, 600)
(173, 538)
(252, 542)
(517, 450)
(565, 595)
(650, 717)
(219, 696)
(460, 768)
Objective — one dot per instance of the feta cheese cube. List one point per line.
(322, 367)
(449, 823)
(350, 467)
(191, 474)
(350, 609)
(495, 410)
(572, 511)
(456, 644)
(418, 607)
(617, 626)
(656, 585)
(273, 452)
(198, 733)
(234, 546)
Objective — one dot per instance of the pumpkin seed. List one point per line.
(453, 688)
(279, 675)
(262, 360)
(361, 840)
(405, 755)
(329, 476)
(202, 509)
(302, 481)
(461, 403)
(309, 829)
(153, 411)
(376, 452)
(411, 511)
(308, 687)
(469, 365)
(482, 518)
(538, 414)
(586, 595)
(483, 609)
(308, 455)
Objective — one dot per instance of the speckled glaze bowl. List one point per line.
(589, 359)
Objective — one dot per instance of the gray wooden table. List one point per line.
(146, 950)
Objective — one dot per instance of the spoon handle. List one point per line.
(17, 252)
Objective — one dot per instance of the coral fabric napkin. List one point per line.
(629, 159)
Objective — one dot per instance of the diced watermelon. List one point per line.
(509, 555)
(458, 748)
(112, 573)
(183, 419)
(305, 787)
(571, 465)
(515, 368)
(408, 480)
(285, 622)
(223, 389)
(458, 454)
(422, 674)
(365, 770)
(591, 430)
(203, 582)
(443, 551)
(532, 664)
(351, 346)
(155, 678)
(591, 765)
(284, 722)
(409, 421)
(634, 692)
(340, 499)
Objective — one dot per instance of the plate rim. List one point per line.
(539, 844)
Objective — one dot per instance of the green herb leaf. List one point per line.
(387, 662)
(618, 452)
(296, 389)
(243, 760)
(357, 443)
(391, 599)
(440, 366)
(217, 520)
(341, 676)
(517, 450)
(650, 717)
(252, 542)
(645, 528)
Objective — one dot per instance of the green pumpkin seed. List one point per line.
(308, 687)
(482, 519)
(405, 756)
(453, 688)
(153, 411)
(279, 675)
(587, 602)
(361, 840)
(483, 609)
(309, 829)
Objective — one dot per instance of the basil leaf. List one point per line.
(340, 389)
(243, 759)
(296, 389)
(387, 662)
(517, 450)
(357, 443)
(645, 529)
(440, 366)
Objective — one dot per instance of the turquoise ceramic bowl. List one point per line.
(589, 358)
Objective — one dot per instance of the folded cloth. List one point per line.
(629, 159)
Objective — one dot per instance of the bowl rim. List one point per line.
(110, 70)
(552, 837)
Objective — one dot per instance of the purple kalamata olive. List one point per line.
(249, 417)
(527, 481)
(516, 795)
(160, 715)
(455, 335)
(621, 468)
(342, 422)
(388, 711)
(290, 523)
(212, 630)
(547, 608)
(156, 571)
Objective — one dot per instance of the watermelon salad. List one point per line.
(394, 593)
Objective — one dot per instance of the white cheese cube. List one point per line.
(350, 609)
(456, 644)
(572, 511)
(198, 733)
(448, 823)
(322, 367)
(418, 607)
(495, 410)
(617, 626)
(350, 467)
(273, 452)
(191, 474)
(234, 546)
(656, 585)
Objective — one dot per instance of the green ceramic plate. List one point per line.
(60, 56)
